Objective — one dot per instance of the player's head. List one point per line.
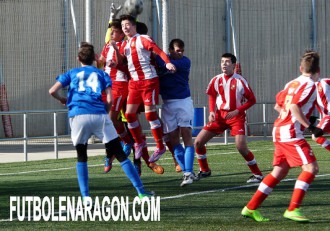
(128, 25)
(141, 28)
(176, 48)
(117, 33)
(228, 63)
(310, 62)
(86, 54)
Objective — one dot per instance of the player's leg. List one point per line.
(309, 170)
(80, 133)
(113, 147)
(241, 145)
(170, 148)
(202, 138)
(265, 188)
(133, 102)
(150, 96)
(170, 125)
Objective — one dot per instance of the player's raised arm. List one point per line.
(113, 13)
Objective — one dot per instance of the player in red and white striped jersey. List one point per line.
(119, 76)
(144, 84)
(295, 104)
(323, 106)
(229, 97)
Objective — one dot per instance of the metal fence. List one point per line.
(27, 140)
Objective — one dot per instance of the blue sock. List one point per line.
(179, 156)
(189, 158)
(82, 174)
(132, 175)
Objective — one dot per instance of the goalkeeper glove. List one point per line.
(114, 11)
(317, 132)
(313, 119)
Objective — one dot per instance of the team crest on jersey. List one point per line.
(232, 87)
(133, 44)
(319, 88)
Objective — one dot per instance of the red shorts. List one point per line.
(143, 91)
(119, 95)
(236, 124)
(325, 124)
(295, 153)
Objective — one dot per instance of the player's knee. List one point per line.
(114, 147)
(154, 122)
(81, 152)
(130, 117)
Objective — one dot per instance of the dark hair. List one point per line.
(141, 28)
(127, 17)
(86, 54)
(116, 24)
(231, 56)
(176, 42)
(310, 62)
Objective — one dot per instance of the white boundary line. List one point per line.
(205, 192)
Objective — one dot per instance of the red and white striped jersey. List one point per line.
(110, 54)
(138, 51)
(323, 96)
(302, 92)
(233, 93)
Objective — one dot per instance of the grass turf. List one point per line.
(212, 203)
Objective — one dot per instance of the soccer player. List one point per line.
(229, 97)
(323, 106)
(295, 104)
(144, 85)
(119, 77)
(88, 115)
(177, 109)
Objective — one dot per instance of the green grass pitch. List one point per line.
(212, 203)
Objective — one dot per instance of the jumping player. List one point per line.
(144, 85)
(88, 116)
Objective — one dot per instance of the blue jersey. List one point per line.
(174, 85)
(85, 87)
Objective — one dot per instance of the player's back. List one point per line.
(85, 87)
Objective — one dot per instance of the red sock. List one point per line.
(202, 159)
(323, 142)
(300, 188)
(252, 163)
(145, 155)
(158, 136)
(134, 127)
(264, 189)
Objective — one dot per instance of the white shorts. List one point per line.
(177, 113)
(84, 126)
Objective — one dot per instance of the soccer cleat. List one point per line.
(137, 166)
(146, 194)
(156, 168)
(202, 174)
(188, 179)
(255, 179)
(138, 149)
(127, 148)
(157, 155)
(254, 214)
(107, 165)
(295, 215)
(178, 168)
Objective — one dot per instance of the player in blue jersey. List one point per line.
(88, 116)
(177, 109)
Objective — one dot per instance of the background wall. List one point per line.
(38, 42)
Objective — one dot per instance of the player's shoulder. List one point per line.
(325, 81)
